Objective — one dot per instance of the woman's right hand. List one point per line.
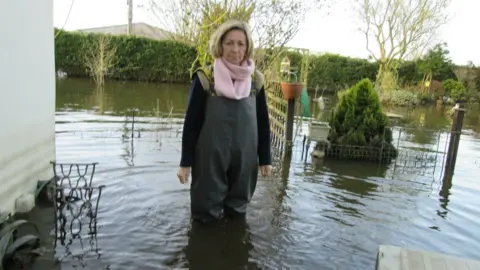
(183, 174)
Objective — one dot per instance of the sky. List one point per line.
(333, 30)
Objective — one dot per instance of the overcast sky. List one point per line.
(336, 32)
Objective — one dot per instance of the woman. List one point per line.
(226, 133)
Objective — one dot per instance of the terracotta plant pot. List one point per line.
(291, 90)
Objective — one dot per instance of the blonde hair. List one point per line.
(218, 36)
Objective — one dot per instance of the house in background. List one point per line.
(27, 103)
(138, 29)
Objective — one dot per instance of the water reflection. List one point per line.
(444, 200)
(76, 218)
(280, 210)
(128, 137)
(444, 194)
(223, 245)
(356, 185)
(116, 98)
(98, 98)
(430, 117)
(314, 214)
(129, 149)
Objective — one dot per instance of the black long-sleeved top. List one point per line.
(194, 120)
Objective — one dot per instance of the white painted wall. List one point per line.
(27, 97)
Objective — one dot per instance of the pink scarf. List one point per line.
(233, 81)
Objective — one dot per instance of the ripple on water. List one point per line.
(328, 215)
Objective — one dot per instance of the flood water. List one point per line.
(324, 214)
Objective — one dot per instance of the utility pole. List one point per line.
(130, 13)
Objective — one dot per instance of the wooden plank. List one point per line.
(389, 258)
(456, 263)
(435, 263)
(473, 265)
(412, 260)
(397, 258)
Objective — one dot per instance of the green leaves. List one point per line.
(359, 121)
(454, 89)
(11, 227)
(136, 58)
(4, 243)
(9, 246)
(3, 217)
(21, 243)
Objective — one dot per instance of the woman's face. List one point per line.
(234, 47)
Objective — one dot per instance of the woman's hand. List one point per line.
(183, 173)
(266, 170)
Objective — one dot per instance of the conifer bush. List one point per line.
(359, 127)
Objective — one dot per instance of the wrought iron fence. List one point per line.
(81, 174)
(76, 203)
(412, 151)
(416, 150)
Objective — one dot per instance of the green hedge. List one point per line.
(142, 59)
(137, 58)
(335, 72)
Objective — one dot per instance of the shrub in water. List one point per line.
(359, 126)
(454, 89)
(425, 97)
(399, 98)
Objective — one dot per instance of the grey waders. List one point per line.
(225, 170)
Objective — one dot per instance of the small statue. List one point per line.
(452, 111)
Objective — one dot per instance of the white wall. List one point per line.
(27, 97)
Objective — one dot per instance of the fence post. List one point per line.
(290, 121)
(455, 132)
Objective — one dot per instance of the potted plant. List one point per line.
(291, 87)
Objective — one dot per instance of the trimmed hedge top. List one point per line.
(149, 60)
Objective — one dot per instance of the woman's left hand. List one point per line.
(266, 170)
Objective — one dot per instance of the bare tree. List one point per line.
(400, 29)
(179, 17)
(274, 22)
(99, 58)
